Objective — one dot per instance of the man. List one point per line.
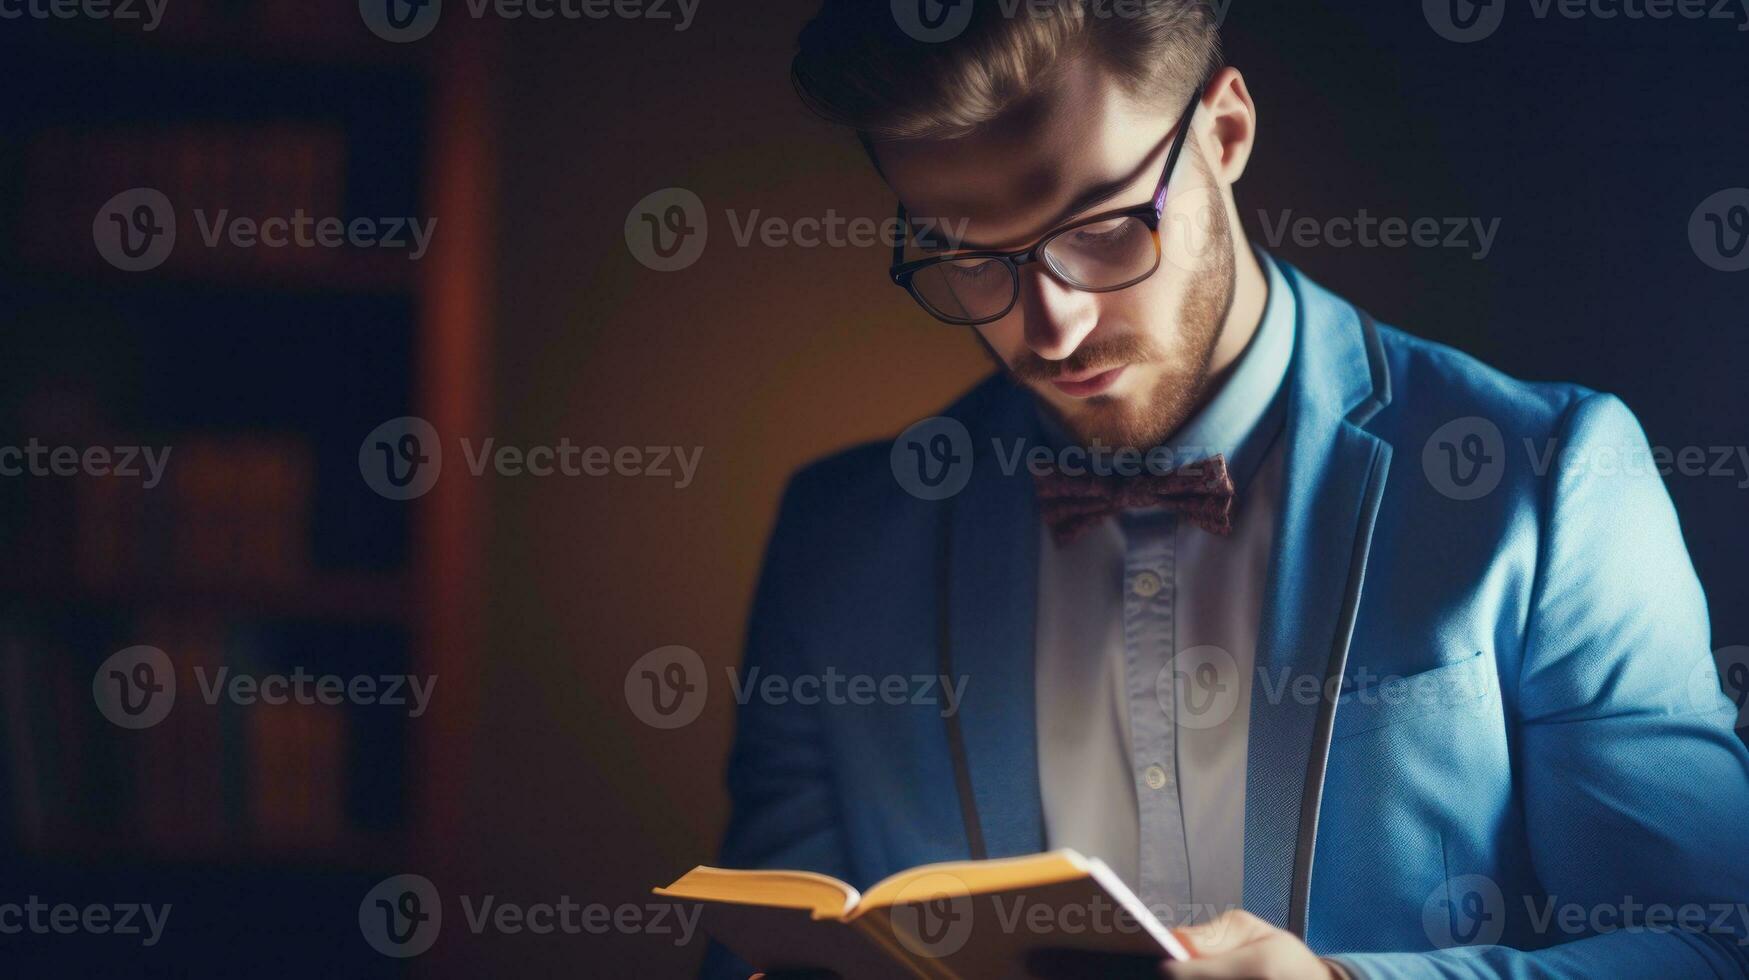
(1253, 598)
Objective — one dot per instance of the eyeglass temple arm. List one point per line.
(1177, 148)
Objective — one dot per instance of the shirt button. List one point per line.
(1146, 585)
(1155, 776)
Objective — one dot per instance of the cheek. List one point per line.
(1190, 230)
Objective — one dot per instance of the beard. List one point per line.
(1185, 375)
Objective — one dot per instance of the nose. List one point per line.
(1057, 318)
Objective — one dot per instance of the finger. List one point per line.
(1227, 931)
(1251, 961)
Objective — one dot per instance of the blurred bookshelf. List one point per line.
(262, 549)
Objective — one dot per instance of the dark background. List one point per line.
(1592, 141)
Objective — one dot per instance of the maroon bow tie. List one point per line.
(1200, 492)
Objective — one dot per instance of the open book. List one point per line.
(961, 919)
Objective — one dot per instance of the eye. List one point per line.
(1103, 233)
(972, 270)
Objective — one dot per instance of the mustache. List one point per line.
(1118, 351)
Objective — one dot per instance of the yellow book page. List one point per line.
(954, 879)
(826, 897)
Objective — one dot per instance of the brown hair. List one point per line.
(858, 64)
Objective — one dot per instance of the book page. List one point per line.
(823, 895)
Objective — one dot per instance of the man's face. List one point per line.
(1126, 368)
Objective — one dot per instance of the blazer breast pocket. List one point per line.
(1371, 701)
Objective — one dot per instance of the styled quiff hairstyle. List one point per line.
(857, 66)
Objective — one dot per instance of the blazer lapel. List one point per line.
(1335, 477)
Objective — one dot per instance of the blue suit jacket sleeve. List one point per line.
(783, 810)
(1636, 787)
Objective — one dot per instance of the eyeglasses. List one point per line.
(1099, 254)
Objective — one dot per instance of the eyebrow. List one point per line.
(1098, 194)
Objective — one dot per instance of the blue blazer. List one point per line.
(1569, 754)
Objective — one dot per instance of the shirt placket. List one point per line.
(1150, 591)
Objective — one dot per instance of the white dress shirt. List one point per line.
(1146, 644)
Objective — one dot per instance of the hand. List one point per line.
(1238, 944)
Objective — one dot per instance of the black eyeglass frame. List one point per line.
(1150, 214)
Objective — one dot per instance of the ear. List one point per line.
(1227, 125)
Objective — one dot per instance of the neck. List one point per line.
(1250, 296)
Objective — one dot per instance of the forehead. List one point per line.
(1013, 178)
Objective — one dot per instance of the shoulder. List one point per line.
(1549, 447)
(863, 477)
(1434, 386)
(859, 496)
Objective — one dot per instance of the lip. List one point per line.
(1088, 383)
